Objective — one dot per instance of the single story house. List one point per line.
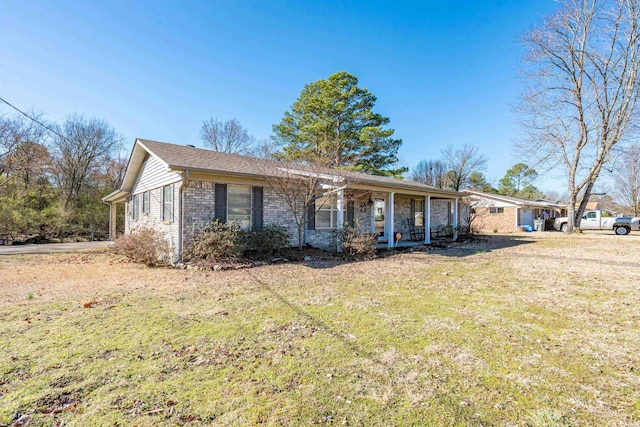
(178, 189)
(506, 214)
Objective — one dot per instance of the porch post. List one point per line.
(340, 208)
(427, 220)
(391, 233)
(455, 220)
(112, 221)
(340, 219)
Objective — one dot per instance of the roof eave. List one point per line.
(116, 196)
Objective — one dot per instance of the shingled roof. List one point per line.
(185, 157)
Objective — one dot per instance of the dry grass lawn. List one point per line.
(537, 329)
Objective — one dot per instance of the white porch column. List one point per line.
(427, 220)
(340, 209)
(455, 220)
(391, 233)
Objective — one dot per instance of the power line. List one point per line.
(33, 119)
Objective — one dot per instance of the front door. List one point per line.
(379, 218)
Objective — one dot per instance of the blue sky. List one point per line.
(444, 72)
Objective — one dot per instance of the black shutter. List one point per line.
(220, 209)
(350, 213)
(413, 211)
(256, 208)
(311, 215)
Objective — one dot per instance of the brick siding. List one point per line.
(502, 222)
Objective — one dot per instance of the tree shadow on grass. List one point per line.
(482, 244)
(350, 342)
(458, 249)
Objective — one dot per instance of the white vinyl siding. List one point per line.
(239, 205)
(154, 174)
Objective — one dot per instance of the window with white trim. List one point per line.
(239, 205)
(496, 210)
(167, 203)
(327, 213)
(135, 207)
(145, 202)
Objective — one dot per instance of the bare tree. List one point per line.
(461, 163)
(430, 172)
(297, 188)
(79, 148)
(227, 137)
(627, 178)
(582, 76)
(263, 149)
(16, 131)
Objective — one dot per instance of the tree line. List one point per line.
(53, 176)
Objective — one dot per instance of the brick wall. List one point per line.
(199, 200)
(502, 222)
(440, 213)
(277, 212)
(198, 208)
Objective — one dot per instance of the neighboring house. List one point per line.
(591, 206)
(505, 214)
(179, 189)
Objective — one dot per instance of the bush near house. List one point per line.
(354, 243)
(227, 241)
(146, 245)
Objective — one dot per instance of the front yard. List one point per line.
(539, 329)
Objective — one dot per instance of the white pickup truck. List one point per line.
(601, 220)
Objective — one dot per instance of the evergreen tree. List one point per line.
(332, 124)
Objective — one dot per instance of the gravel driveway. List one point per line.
(46, 248)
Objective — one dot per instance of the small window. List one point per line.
(239, 205)
(496, 210)
(418, 215)
(135, 207)
(167, 205)
(145, 202)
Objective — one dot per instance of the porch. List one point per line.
(398, 219)
(407, 219)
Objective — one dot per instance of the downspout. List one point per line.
(185, 177)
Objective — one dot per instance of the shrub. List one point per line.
(145, 245)
(269, 240)
(355, 243)
(217, 240)
(227, 241)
